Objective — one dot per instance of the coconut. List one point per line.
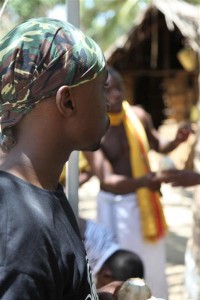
(135, 289)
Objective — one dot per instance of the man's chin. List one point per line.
(93, 147)
(96, 147)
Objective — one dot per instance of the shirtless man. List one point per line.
(128, 201)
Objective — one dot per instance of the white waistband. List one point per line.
(110, 197)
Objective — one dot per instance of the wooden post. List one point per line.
(72, 181)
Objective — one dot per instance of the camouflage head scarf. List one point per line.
(36, 58)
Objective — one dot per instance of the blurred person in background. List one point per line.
(108, 261)
(129, 201)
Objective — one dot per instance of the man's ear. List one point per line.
(64, 102)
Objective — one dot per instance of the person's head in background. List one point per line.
(108, 261)
(114, 90)
(121, 265)
(52, 80)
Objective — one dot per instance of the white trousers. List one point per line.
(121, 214)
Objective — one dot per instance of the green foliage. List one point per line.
(195, 2)
(106, 20)
(31, 8)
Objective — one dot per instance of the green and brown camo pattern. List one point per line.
(39, 56)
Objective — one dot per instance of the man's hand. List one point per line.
(151, 181)
(183, 133)
(184, 178)
(110, 291)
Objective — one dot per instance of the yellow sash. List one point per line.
(152, 216)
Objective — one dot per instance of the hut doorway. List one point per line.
(148, 93)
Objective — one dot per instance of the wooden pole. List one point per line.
(72, 181)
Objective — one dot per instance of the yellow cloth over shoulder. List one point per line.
(152, 217)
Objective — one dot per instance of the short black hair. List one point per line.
(124, 264)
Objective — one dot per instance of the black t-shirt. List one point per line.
(41, 253)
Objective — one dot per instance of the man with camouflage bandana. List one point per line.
(52, 102)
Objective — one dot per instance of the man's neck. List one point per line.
(43, 173)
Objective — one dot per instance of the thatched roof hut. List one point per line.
(158, 59)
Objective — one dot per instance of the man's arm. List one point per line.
(155, 141)
(110, 291)
(114, 183)
(184, 178)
